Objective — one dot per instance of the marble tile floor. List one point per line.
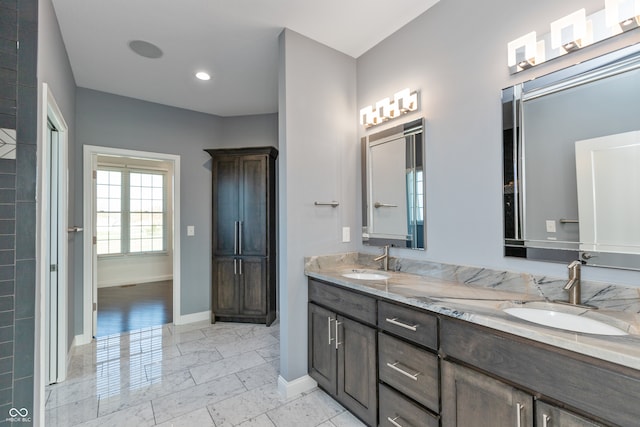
(198, 375)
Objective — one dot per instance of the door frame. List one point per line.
(51, 111)
(89, 270)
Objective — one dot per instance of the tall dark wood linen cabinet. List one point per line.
(243, 268)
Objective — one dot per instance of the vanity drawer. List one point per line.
(415, 325)
(351, 304)
(396, 407)
(409, 369)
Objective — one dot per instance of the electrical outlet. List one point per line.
(191, 230)
(346, 234)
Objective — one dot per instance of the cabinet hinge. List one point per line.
(53, 267)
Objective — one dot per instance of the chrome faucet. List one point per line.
(573, 285)
(384, 258)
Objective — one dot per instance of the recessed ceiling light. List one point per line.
(203, 76)
(146, 49)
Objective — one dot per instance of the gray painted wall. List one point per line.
(319, 161)
(460, 70)
(115, 121)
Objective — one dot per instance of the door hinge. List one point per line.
(95, 306)
(53, 267)
(95, 240)
(95, 174)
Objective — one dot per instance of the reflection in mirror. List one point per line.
(393, 184)
(571, 156)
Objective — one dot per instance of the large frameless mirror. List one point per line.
(393, 205)
(572, 162)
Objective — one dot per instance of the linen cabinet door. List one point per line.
(225, 295)
(471, 399)
(252, 232)
(226, 202)
(322, 348)
(252, 275)
(357, 380)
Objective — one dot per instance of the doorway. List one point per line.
(119, 243)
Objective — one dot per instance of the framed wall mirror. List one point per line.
(393, 187)
(571, 156)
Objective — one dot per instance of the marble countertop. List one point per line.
(482, 304)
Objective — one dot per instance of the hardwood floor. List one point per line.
(130, 307)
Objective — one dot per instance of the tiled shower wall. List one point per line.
(18, 169)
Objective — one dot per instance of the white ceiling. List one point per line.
(236, 41)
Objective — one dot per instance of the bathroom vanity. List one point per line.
(416, 350)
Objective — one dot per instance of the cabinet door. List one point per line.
(471, 399)
(225, 199)
(552, 416)
(253, 198)
(322, 348)
(252, 276)
(224, 289)
(357, 380)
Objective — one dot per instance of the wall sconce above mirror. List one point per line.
(571, 158)
(573, 32)
(393, 187)
(386, 109)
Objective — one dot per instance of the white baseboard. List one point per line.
(295, 387)
(81, 340)
(149, 279)
(192, 318)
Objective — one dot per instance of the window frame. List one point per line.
(125, 209)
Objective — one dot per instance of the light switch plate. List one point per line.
(551, 226)
(191, 230)
(346, 234)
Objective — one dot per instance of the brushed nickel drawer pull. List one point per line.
(329, 320)
(393, 421)
(395, 321)
(337, 332)
(394, 366)
(546, 420)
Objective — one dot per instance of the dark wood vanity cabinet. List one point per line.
(243, 272)
(437, 371)
(470, 399)
(587, 391)
(342, 349)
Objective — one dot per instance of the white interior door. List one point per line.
(94, 247)
(608, 176)
(52, 278)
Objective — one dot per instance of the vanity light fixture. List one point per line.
(525, 52)
(573, 32)
(625, 13)
(201, 75)
(385, 109)
(569, 32)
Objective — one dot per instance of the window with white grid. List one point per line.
(109, 212)
(146, 215)
(130, 211)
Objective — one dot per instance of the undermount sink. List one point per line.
(365, 275)
(563, 320)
